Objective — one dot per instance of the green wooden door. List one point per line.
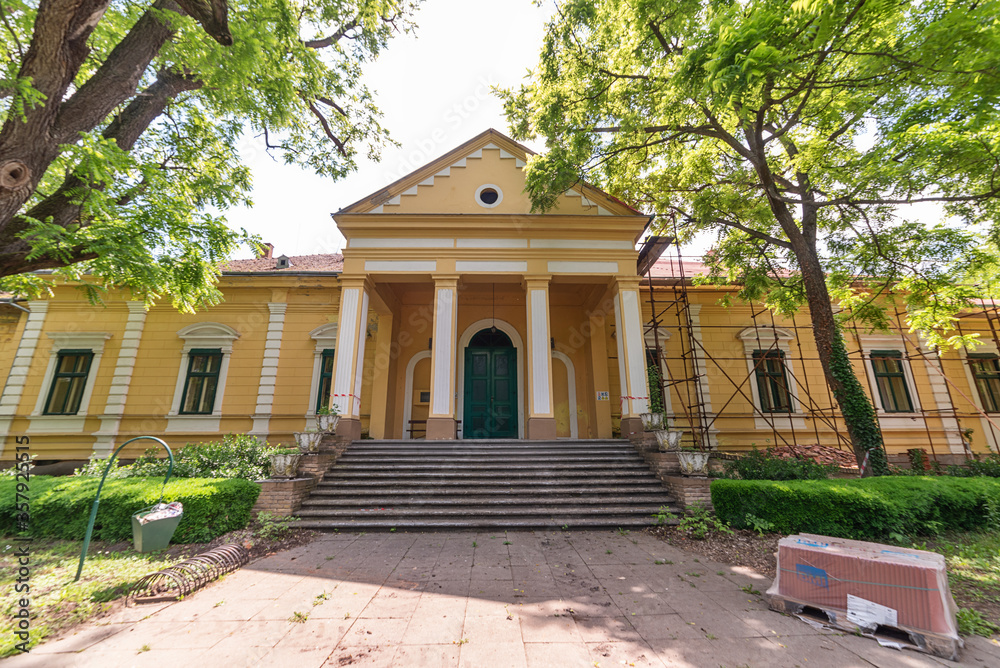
(490, 393)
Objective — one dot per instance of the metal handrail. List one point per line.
(97, 499)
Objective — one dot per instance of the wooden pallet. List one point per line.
(920, 640)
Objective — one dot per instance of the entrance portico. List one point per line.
(487, 320)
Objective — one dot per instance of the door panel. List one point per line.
(490, 393)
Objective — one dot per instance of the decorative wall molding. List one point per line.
(269, 369)
(114, 408)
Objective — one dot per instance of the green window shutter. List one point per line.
(986, 372)
(68, 382)
(325, 380)
(890, 380)
(772, 381)
(202, 381)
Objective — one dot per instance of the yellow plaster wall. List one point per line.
(308, 309)
(456, 193)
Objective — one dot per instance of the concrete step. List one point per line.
(338, 490)
(486, 484)
(503, 458)
(512, 522)
(494, 474)
(488, 466)
(478, 511)
(589, 500)
(592, 484)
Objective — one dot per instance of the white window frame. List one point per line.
(764, 338)
(324, 338)
(68, 424)
(890, 421)
(990, 433)
(201, 335)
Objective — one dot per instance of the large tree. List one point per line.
(801, 133)
(120, 140)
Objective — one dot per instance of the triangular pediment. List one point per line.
(455, 182)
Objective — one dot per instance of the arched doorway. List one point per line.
(490, 406)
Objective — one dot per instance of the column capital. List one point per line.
(627, 282)
(445, 280)
(354, 282)
(538, 278)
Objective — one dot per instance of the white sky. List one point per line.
(433, 84)
(433, 87)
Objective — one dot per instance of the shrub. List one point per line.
(60, 507)
(757, 465)
(235, 456)
(988, 466)
(864, 509)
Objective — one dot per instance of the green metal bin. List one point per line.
(154, 534)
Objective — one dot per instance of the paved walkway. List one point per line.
(490, 600)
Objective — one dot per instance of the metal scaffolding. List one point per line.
(678, 338)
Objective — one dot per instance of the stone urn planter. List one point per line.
(285, 463)
(668, 440)
(308, 440)
(651, 421)
(327, 423)
(693, 462)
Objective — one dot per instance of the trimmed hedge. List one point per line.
(60, 506)
(864, 509)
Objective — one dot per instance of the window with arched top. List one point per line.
(773, 383)
(325, 339)
(201, 377)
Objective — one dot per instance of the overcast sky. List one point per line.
(433, 84)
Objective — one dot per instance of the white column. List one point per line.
(631, 351)
(12, 391)
(269, 369)
(443, 353)
(114, 408)
(541, 414)
(350, 352)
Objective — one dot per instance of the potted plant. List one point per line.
(308, 440)
(327, 418)
(653, 420)
(284, 462)
(693, 461)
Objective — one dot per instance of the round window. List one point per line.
(488, 196)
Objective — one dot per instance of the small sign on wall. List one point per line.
(603, 396)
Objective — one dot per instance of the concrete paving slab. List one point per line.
(523, 599)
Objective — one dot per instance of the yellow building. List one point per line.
(455, 312)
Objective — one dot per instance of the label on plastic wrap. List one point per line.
(868, 614)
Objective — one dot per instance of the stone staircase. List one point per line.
(486, 484)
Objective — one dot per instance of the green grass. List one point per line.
(56, 601)
(974, 577)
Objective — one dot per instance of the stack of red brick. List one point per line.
(820, 453)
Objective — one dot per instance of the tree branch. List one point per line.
(327, 129)
(335, 37)
(118, 76)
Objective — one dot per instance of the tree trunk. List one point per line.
(859, 414)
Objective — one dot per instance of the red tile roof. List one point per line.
(298, 263)
(668, 266)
